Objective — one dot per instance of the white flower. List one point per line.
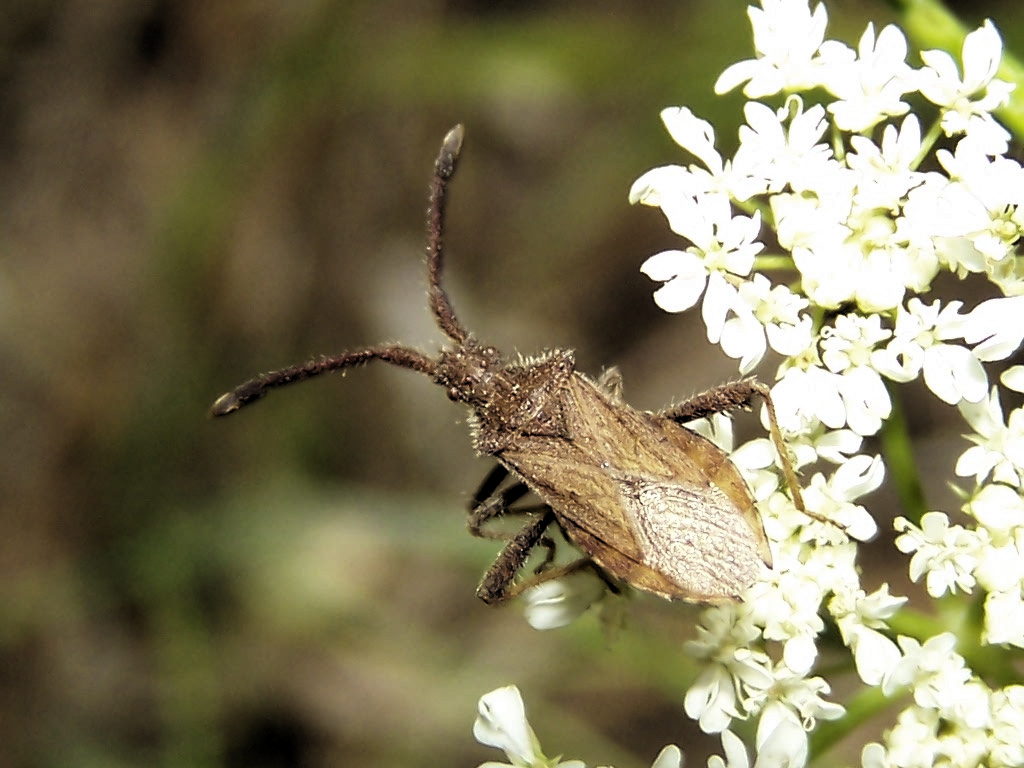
(970, 99)
(722, 244)
(793, 696)
(833, 498)
(1000, 509)
(786, 605)
(1004, 618)
(837, 180)
(984, 196)
(998, 447)
(885, 172)
(1007, 747)
(934, 673)
(998, 324)
(859, 617)
(783, 746)
(833, 445)
(558, 602)
(731, 668)
(851, 340)
(786, 154)
(805, 397)
(781, 740)
(847, 350)
(787, 39)
(758, 314)
(912, 743)
(948, 554)
(872, 88)
(1001, 566)
(501, 723)
(919, 344)
(718, 177)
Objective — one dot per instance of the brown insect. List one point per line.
(650, 502)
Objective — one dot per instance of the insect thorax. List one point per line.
(508, 398)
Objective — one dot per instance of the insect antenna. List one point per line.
(258, 386)
(440, 304)
(444, 169)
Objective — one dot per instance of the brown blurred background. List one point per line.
(192, 192)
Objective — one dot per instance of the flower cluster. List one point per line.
(860, 207)
(501, 723)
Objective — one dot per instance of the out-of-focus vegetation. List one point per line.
(191, 192)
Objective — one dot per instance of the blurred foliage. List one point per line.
(194, 191)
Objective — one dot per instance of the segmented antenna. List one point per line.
(258, 386)
(444, 169)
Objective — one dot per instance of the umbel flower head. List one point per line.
(818, 240)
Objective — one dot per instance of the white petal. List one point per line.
(954, 374)
(658, 183)
(982, 50)
(502, 723)
(686, 277)
(799, 653)
(670, 757)
(998, 324)
(743, 338)
(1013, 378)
(735, 750)
(975, 462)
(666, 265)
(693, 134)
(857, 477)
(875, 655)
(559, 602)
(783, 745)
(857, 522)
(721, 295)
(735, 74)
(755, 454)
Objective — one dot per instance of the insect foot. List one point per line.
(648, 502)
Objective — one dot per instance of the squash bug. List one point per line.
(649, 502)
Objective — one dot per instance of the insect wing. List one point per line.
(651, 502)
(694, 537)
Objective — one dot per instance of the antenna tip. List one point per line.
(450, 149)
(227, 403)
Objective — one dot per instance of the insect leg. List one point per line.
(488, 503)
(497, 586)
(498, 583)
(720, 399)
(735, 395)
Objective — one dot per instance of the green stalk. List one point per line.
(899, 459)
(773, 263)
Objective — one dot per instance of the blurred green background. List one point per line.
(194, 191)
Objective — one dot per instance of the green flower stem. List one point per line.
(915, 624)
(928, 141)
(773, 263)
(867, 703)
(899, 459)
(929, 24)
